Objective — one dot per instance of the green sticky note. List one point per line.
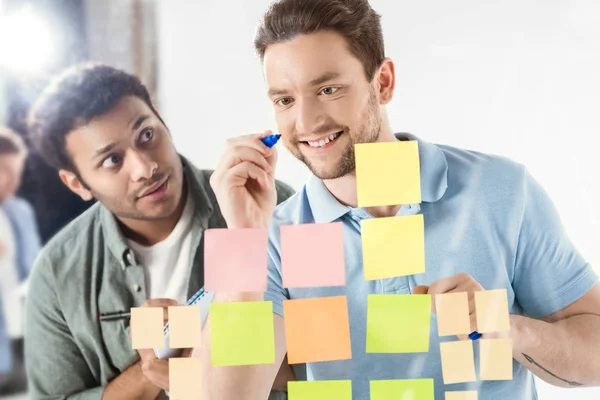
(402, 389)
(398, 323)
(320, 390)
(242, 333)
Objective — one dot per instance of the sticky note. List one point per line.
(320, 390)
(388, 173)
(317, 329)
(235, 260)
(495, 358)
(185, 378)
(458, 362)
(491, 309)
(242, 333)
(146, 327)
(185, 327)
(312, 255)
(400, 389)
(398, 323)
(465, 395)
(452, 310)
(393, 246)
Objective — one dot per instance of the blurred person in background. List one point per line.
(19, 245)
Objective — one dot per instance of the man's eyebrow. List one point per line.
(276, 92)
(104, 150)
(327, 76)
(139, 122)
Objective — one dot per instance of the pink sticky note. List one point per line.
(312, 255)
(235, 260)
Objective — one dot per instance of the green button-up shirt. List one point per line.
(88, 269)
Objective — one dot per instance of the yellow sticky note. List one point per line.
(452, 311)
(466, 395)
(398, 323)
(185, 378)
(458, 363)
(185, 327)
(388, 173)
(400, 389)
(320, 390)
(495, 358)
(393, 246)
(146, 327)
(491, 308)
(242, 333)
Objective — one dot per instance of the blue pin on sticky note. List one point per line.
(271, 140)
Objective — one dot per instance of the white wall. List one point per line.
(517, 78)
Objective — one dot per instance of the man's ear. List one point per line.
(386, 77)
(75, 185)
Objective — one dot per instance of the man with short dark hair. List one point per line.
(488, 223)
(141, 244)
(19, 245)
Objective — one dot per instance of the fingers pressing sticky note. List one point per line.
(313, 255)
(491, 308)
(495, 358)
(235, 260)
(320, 390)
(242, 333)
(317, 329)
(146, 327)
(388, 173)
(185, 327)
(185, 378)
(458, 363)
(393, 246)
(398, 323)
(400, 389)
(452, 311)
(466, 395)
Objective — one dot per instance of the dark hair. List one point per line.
(355, 20)
(11, 142)
(73, 99)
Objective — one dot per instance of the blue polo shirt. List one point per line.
(484, 215)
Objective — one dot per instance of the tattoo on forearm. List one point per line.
(531, 360)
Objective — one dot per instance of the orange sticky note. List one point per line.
(185, 378)
(185, 327)
(452, 311)
(317, 329)
(466, 395)
(235, 260)
(458, 363)
(393, 246)
(313, 255)
(491, 308)
(146, 327)
(495, 359)
(388, 173)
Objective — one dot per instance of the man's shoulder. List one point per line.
(75, 235)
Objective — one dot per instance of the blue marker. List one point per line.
(271, 140)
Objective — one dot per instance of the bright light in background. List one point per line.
(26, 42)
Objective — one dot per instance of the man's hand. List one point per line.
(244, 182)
(455, 284)
(155, 370)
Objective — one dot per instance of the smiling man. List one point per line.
(488, 223)
(141, 244)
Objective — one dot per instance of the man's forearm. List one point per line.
(565, 353)
(131, 384)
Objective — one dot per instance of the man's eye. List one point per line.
(146, 135)
(111, 161)
(286, 101)
(329, 90)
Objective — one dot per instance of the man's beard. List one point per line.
(368, 132)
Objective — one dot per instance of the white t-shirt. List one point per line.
(167, 263)
(12, 303)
